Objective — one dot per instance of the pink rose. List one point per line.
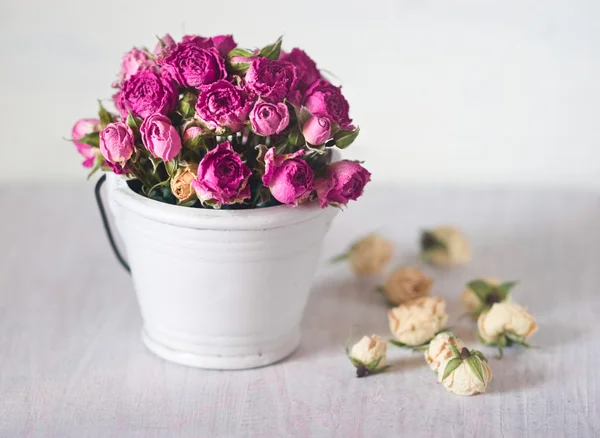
(164, 47)
(324, 98)
(117, 143)
(289, 177)
(191, 133)
(133, 62)
(223, 105)
(202, 42)
(317, 130)
(306, 69)
(147, 93)
(160, 137)
(222, 177)
(271, 80)
(81, 129)
(269, 118)
(345, 181)
(192, 66)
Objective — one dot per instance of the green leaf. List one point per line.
(398, 343)
(339, 258)
(240, 67)
(357, 363)
(272, 51)
(454, 350)
(295, 138)
(506, 287)
(280, 147)
(171, 167)
(481, 288)
(479, 354)
(343, 139)
(302, 114)
(98, 162)
(133, 122)
(373, 364)
(451, 366)
(238, 51)
(104, 116)
(475, 365)
(92, 139)
(187, 105)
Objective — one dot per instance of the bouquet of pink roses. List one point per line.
(207, 124)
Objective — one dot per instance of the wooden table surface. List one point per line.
(72, 363)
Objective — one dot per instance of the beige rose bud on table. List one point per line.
(481, 294)
(368, 355)
(369, 255)
(405, 284)
(506, 324)
(438, 351)
(181, 182)
(466, 373)
(445, 246)
(416, 322)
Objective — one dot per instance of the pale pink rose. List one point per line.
(269, 118)
(80, 129)
(160, 137)
(317, 130)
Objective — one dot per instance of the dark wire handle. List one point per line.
(107, 229)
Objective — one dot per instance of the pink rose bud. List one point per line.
(82, 128)
(344, 181)
(222, 177)
(269, 118)
(117, 143)
(289, 178)
(191, 133)
(317, 130)
(160, 137)
(164, 46)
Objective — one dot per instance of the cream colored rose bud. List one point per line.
(481, 294)
(181, 183)
(506, 324)
(466, 373)
(369, 355)
(369, 255)
(416, 322)
(405, 284)
(445, 246)
(439, 351)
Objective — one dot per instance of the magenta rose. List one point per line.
(345, 181)
(160, 137)
(82, 128)
(117, 143)
(224, 44)
(271, 80)
(324, 98)
(289, 178)
(164, 47)
(192, 66)
(222, 177)
(306, 69)
(269, 118)
(133, 62)
(202, 42)
(317, 129)
(147, 93)
(223, 105)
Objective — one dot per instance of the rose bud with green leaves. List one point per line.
(368, 256)
(445, 246)
(505, 324)
(438, 350)
(466, 373)
(368, 356)
(415, 323)
(482, 293)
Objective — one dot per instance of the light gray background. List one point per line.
(452, 92)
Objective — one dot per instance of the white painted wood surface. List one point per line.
(72, 363)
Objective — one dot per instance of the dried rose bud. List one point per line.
(181, 183)
(439, 351)
(481, 294)
(466, 373)
(405, 284)
(368, 355)
(445, 246)
(369, 255)
(416, 322)
(506, 324)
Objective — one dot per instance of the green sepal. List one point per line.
(475, 365)
(373, 364)
(302, 114)
(98, 163)
(339, 258)
(162, 43)
(281, 146)
(430, 242)
(133, 122)
(506, 287)
(451, 366)
(380, 369)
(481, 288)
(91, 139)
(272, 51)
(357, 363)
(104, 116)
(454, 350)
(295, 138)
(187, 105)
(514, 339)
(343, 139)
(399, 344)
(171, 167)
(479, 354)
(238, 51)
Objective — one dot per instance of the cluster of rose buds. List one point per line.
(418, 321)
(202, 122)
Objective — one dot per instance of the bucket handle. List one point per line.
(106, 225)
